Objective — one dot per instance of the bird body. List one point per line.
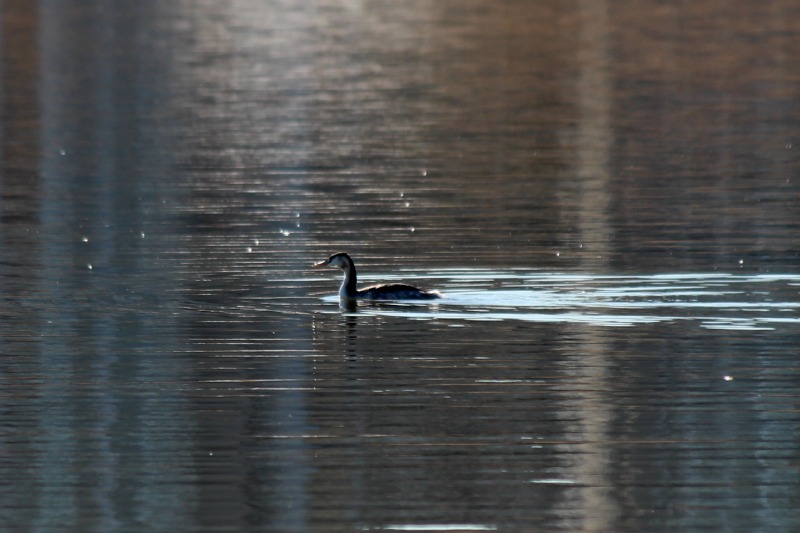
(387, 291)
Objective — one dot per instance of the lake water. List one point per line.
(607, 195)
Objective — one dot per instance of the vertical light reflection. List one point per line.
(591, 467)
(75, 430)
(235, 51)
(592, 149)
(87, 189)
(289, 407)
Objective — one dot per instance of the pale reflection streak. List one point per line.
(81, 160)
(280, 126)
(590, 467)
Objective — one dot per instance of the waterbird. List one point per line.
(386, 291)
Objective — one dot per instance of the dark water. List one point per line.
(606, 193)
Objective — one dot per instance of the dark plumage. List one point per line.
(388, 291)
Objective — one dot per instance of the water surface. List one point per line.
(606, 193)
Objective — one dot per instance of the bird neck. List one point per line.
(348, 289)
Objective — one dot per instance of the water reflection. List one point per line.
(585, 400)
(169, 170)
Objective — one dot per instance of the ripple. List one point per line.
(714, 301)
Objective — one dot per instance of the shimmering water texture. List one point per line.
(621, 179)
(713, 301)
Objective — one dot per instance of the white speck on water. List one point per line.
(89, 266)
(85, 239)
(141, 235)
(63, 152)
(285, 232)
(255, 242)
(727, 378)
(249, 250)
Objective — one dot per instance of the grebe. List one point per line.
(388, 291)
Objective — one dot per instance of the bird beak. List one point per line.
(320, 264)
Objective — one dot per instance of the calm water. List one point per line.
(606, 193)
